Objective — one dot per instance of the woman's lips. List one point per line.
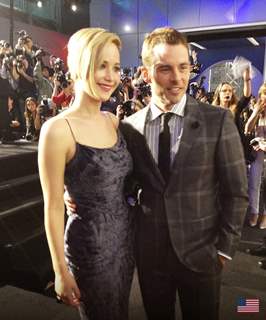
(105, 87)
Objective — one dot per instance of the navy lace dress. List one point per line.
(99, 237)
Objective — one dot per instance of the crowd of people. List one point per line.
(30, 91)
(189, 211)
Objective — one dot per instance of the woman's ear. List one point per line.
(145, 74)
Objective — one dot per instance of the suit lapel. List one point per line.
(191, 129)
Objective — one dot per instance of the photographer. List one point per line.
(14, 131)
(63, 92)
(142, 90)
(26, 85)
(127, 87)
(7, 86)
(24, 47)
(41, 77)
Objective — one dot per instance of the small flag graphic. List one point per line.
(248, 305)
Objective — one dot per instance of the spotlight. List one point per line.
(39, 4)
(74, 7)
(127, 28)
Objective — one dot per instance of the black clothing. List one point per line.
(99, 237)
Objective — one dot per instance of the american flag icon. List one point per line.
(248, 305)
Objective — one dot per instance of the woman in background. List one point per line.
(257, 122)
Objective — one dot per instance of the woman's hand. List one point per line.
(69, 203)
(261, 146)
(259, 106)
(66, 289)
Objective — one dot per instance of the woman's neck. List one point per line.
(86, 105)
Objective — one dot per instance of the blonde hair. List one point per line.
(216, 97)
(160, 35)
(262, 89)
(83, 49)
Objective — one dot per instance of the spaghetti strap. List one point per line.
(109, 116)
(70, 129)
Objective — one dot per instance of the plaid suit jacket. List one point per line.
(206, 196)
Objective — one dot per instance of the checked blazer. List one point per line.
(206, 198)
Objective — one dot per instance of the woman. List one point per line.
(83, 149)
(224, 96)
(32, 118)
(257, 122)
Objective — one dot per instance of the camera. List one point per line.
(128, 108)
(29, 137)
(40, 53)
(19, 61)
(64, 79)
(254, 142)
(8, 61)
(58, 65)
(44, 108)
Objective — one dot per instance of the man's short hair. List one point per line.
(157, 36)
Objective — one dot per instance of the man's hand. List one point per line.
(222, 259)
(69, 203)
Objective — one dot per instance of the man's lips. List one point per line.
(174, 90)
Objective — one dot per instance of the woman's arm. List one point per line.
(52, 157)
(247, 83)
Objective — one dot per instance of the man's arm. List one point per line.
(233, 196)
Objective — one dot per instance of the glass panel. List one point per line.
(217, 12)
(130, 53)
(48, 11)
(124, 16)
(250, 10)
(152, 14)
(184, 14)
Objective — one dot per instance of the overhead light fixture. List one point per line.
(253, 41)
(74, 7)
(39, 4)
(127, 28)
(195, 44)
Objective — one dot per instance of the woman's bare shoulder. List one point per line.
(114, 119)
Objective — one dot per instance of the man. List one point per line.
(41, 77)
(194, 196)
(189, 162)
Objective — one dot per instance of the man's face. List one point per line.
(45, 73)
(168, 74)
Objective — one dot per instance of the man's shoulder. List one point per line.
(137, 116)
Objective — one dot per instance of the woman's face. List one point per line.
(107, 71)
(226, 93)
(31, 105)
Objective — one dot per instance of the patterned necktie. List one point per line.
(164, 146)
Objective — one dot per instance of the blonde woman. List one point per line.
(257, 122)
(83, 149)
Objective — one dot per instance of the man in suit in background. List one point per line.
(189, 162)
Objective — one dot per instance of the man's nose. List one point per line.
(176, 75)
